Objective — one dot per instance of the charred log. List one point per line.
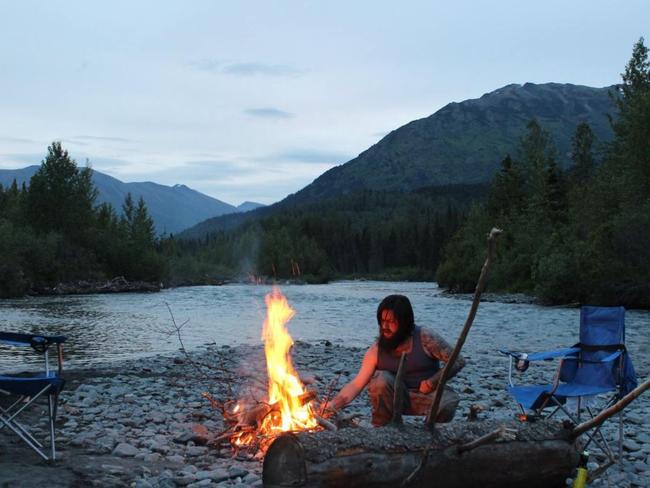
(541, 454)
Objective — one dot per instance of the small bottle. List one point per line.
(580, 480)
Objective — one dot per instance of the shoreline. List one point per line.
(145, 423)
(121, 285)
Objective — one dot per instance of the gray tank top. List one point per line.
(419, 366)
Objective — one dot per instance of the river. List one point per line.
(106, 328)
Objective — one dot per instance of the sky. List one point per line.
(252, 100)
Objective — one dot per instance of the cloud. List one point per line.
(254, 69)
(246, 69)
(20, 140)
(307, 155)
(268, 113)
(17, 161)
(102, 138)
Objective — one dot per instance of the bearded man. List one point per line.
(425, 349)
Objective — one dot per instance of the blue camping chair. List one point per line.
(597, 366)
(23, 390)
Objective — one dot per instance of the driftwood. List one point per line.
(613, 410)
(430, 420)
(486, 454)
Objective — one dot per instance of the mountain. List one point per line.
(465, 142)
(173, 208)
(247, 206)
(462, 143)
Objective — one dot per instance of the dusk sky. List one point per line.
(252, 100)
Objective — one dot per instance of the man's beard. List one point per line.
(389, 344)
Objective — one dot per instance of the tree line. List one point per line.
(377, 234)
(52, 231)
(581, 235)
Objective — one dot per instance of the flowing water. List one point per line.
(105, 328)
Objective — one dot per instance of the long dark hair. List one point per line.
(403, 312)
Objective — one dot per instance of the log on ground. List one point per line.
(540, 454)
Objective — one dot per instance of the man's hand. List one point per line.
(426, 386)
(329, 410)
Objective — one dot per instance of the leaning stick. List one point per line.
(500, 433)
(491, 245)
(608, 412)
(398, 398)
(326, 424)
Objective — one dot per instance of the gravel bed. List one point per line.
(145, 423)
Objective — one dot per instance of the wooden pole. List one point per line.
(444, 376)
(398, 398)
(608, 412)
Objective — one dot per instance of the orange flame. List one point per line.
(285, 387)
(286, 393)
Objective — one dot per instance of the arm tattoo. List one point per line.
(435, 345)
(438, 348)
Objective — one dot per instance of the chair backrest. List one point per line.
(602, 333)
(602, 326)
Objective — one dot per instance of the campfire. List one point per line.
(289, 406)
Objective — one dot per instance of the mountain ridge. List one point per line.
(464, 142)
(172, 208)
(461, 143)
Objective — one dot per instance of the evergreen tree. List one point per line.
(582, 153)
(507, 193)
(61, 197)
(142, 227)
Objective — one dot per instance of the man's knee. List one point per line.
(381, 381)
(448, 406)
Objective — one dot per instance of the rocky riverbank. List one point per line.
(145, 423)
(85, 287)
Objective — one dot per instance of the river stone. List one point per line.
(197, 484)
(125, 450)
(176, 459)
(143, 483)
(194, 451)
(630, 445)
(236, 472)
(184, 479)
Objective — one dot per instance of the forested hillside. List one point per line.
(462, 143)
(581, 235)
(369, 234)
(51, 231)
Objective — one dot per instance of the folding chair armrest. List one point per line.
(37, 341)
(565, 353)
(542, 356)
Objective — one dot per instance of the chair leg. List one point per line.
(6, 420)
(50, 405)
(24, 437)
(605, 448)
(621, 433)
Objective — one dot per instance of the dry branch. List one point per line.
(614, 409)
(444, 376)
(500, 433)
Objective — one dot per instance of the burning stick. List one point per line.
(330, 389)
(491, 242)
